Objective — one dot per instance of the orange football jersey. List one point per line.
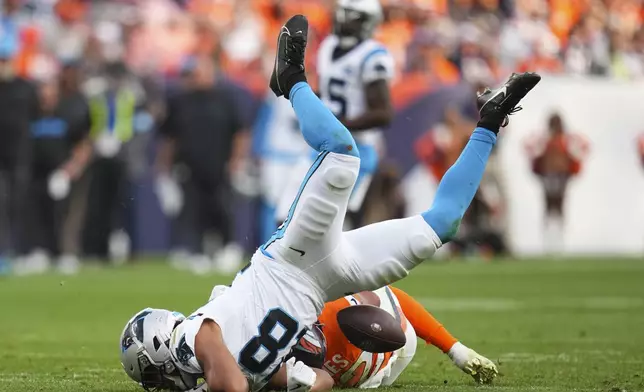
(347, 364)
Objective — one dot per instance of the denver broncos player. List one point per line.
(239, 341)
(351, 367)
(354, 73)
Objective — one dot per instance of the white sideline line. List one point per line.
(599, 356)
(505, 305)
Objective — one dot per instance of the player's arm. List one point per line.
(379, 112)
(220, 369)
(427, 327)
(432, 331)
(296, 377)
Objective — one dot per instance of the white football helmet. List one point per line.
(356, 20)
(145, 351)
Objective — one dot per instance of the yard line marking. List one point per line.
(507, 305)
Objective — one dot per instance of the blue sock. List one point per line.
(459, 185)
(321, 130)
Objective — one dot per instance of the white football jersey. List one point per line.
(278, 143)
(342, 80)
(277, 133)
(260, 317)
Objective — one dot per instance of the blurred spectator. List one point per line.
(18, 108)
(544, 58)
(625, 63)
(520, 35)
(439, 148)
(61, 150)
(436, 44)
(203, 141)
(278, 146)
(588, 50)
(65, 35)
(384, 200)
(472, 58)
(429, 55)
(113, 107)
(556, 159)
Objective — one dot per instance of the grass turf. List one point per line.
(552, 326)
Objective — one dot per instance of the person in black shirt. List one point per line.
(61, 149)
(18, 107)
(202, 139)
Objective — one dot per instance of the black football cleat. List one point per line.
(496, 105)
(289, 60)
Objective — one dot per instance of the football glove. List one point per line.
(482, 370)
(59, 185)
(170, 195)
(203, 387)
(299, 377)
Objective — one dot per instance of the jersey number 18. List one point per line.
(261, 351)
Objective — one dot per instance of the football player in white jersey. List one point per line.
(354, 73)
(239, 340)
(279, 147)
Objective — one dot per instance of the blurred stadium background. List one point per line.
(85, 87)
(576, 193)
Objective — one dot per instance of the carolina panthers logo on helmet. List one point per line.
(184, 352)
(126, 343)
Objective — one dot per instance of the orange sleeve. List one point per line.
(427, 327)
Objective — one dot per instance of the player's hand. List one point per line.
(300, 378)
(59, 185)
(482, 370)
(170, 195)
(203, 387)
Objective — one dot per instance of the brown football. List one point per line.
(371, 329)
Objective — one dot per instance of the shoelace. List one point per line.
(295, 51)
(506, 120)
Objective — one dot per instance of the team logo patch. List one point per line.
(310, 343)
(126, 343)
(184, 352)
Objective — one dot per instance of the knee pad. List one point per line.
(340, 178)
(421, 246)
(316, 217)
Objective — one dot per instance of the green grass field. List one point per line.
(552, 326)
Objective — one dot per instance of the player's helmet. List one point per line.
(311, 348)
(356, 20)
(145, 351)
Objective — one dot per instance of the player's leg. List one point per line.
(313, 226)
(404, 356)
(383, 253)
